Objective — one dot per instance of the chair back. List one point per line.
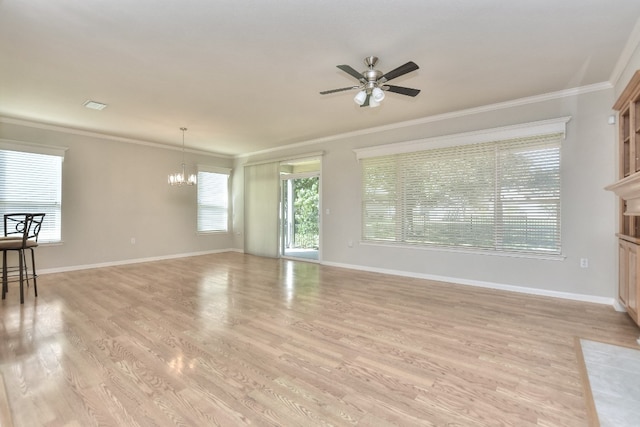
(35, 226)
(25, 226)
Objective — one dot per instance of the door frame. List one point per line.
(284, 178)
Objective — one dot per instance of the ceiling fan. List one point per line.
(373, 82)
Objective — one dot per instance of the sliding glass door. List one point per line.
(300, 209)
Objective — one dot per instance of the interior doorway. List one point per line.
(300, 209)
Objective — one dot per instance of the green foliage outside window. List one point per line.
(306, 213)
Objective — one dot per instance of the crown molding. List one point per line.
(93, 134)
(566, 93)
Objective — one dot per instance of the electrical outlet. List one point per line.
(584, 262)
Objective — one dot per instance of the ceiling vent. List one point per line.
(95, 105)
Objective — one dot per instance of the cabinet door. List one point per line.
(623, 273)
(632, 296)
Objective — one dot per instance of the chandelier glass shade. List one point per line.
(181, 178)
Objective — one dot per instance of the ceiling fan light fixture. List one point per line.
(360, 97)
(372, 83)
(377, 94)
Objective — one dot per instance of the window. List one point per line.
(31, 181)
(213, 199)
(501, 196)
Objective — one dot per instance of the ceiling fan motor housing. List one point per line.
(371, 75)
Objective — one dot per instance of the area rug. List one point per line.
(613, 375)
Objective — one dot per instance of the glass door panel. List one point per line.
(300, 234)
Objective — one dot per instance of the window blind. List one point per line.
(498, 196)
(261, 208)
(32, 183)
(213, 199)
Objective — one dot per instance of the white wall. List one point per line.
(633, 64)
(588, 211)
(113, 191)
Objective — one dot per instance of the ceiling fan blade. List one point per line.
(366, 101)
(401, 90)
(400, 71)
(351, 71)
(325, 92)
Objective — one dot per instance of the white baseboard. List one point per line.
(490, 285)
(618, 307)
(130, 261)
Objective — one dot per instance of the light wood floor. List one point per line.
(232, 339)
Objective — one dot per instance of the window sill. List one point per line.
(546, 257)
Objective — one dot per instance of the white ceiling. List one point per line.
(244, 75)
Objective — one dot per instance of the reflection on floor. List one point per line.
(301, 253)
(614, 376)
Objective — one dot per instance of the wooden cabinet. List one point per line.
(628, 278)
(628, 190)
(628, 185)
(628, 107)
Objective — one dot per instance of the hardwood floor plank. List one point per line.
(5, 411)
(231, 339)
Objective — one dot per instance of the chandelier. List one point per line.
(180, 178)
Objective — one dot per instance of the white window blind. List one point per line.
(213, 199)
(261, 208)
(32, 183)
(499, 196)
